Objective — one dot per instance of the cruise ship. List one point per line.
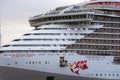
(75, 42)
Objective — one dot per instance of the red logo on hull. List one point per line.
(75, 67)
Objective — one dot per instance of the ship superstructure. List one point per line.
(73, 42)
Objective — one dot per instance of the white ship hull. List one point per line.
(98, 68)
(8, 73)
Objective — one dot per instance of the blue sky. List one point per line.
(14, 15)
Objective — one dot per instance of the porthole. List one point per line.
(45, 62)
(100, 74)
(33, 62)
(8, 63)
(16, 62)
(104, 74)
(30, 62)
(39, 62)
(96, 74)
(109, 74)
(5, 55)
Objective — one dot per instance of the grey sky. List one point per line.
(14, 15)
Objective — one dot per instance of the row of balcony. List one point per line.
(108, 30)
(97, 35)
(105, 53)
(106, 18)
(95, 41)
(98, 47)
